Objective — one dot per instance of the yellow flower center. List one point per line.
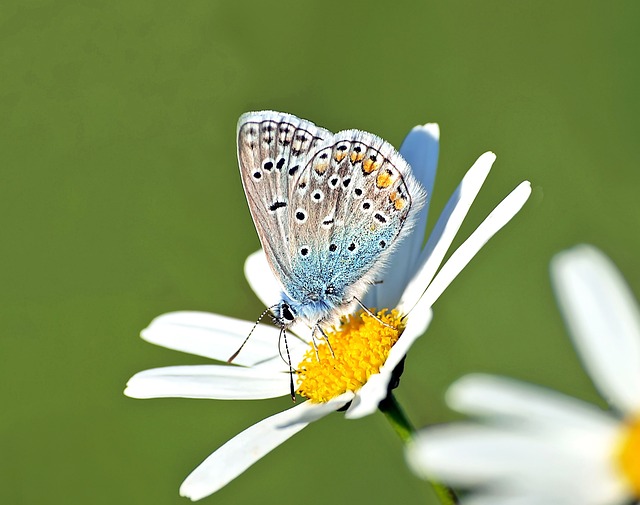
(360, 347)
(629, 455)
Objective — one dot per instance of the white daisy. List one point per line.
(359, 372)
(537, 446)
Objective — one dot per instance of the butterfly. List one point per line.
(329, 210)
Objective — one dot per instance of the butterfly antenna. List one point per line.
(235, 354)
(326, 338)
(373, 315)
(283, 336)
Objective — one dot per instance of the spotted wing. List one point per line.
(273, 148)
(351, 205)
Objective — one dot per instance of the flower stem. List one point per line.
(397, 418)
(403, 427)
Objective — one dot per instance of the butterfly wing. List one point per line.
(273, 148)
(350, 204)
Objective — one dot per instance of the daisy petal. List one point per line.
(446, 228)
(261, 278)
(420, 149)
(375, 389)
(496, 498)
(459, 454)
(468, 455)
(526, 463)
(242, 451)
(604, 321)
(216, 382)
(213, 336)
(493, 396)
(310, 415)
(499, 217)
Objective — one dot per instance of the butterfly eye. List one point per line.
(257, 175)
(301, 215)
(287, 313)
(318, 196)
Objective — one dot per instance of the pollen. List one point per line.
(360, 347)
(629, 455)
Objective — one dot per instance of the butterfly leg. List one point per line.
(315, 344)
(326, 339)
(373, 315)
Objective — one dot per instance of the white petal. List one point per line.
(321, 409)
(468, 455)
(208, 381)
(496, 498)
(213, 336)
(374, 391)
(518, 402)
(261, 279)
(242, 451)
(420, 149)
(369, 396)
(499, 217)
(446, 228)
(515, 463)
(604, 320)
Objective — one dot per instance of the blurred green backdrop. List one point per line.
(121, 200)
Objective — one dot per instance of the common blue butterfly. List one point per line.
(329, 210)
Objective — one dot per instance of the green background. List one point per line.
(121, 200)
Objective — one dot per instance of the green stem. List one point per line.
(397, 418)
(405, 430)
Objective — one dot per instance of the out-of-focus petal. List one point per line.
(604, 320)
(519, 403)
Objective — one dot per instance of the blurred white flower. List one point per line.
(357, 374)
(536, 446)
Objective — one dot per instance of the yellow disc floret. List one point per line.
(629, 455)
(360, 347)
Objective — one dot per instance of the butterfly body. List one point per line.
(329, 210)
